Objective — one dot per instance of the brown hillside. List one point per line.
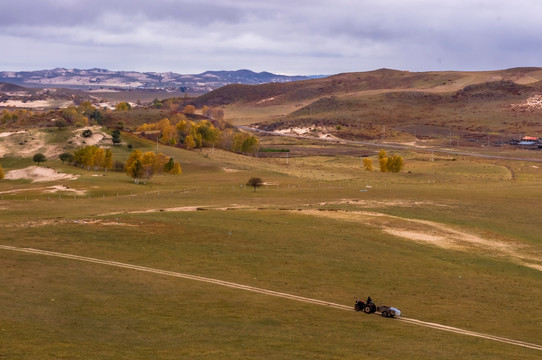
(396, 105)
(336, 84)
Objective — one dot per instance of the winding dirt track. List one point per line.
(267, 292)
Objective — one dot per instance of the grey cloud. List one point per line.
(306, 36)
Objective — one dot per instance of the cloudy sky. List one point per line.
(280, 36)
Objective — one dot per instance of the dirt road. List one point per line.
(267, 292)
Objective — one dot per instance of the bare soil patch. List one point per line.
(441, 235)
(38, 174)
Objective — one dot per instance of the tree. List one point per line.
(123, 106)
(1, 172)
(115, 134)
(108, 160)
(255, 182)
(395, 163)
(206, 111)
(86, 108)
(189, 109)
(383, 160)
(383, 164)
(144, 165)
(218, 114)
(97, 116)
(189, 142)
(172, 167)
(98, 158)
(136, 171)
(367, 164)
(66, 157)
(245, 143)
(86, 133)
(157, 104)
(39, 158)
(118, 166)
(74, 116)
(209, 134)
(60, 123)
(169, 165)
(176, 169)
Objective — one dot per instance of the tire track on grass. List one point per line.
(266, 292)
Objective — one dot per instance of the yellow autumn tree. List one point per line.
(108, 161)
(176, 169)
(395, 163)
(189, 142)
(1, 172)
(367, 164)
(189, 109)
(98, 158)
(144, 165)
(134, 156)
(383, 160)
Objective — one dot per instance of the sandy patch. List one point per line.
(63, 188)
(96, 137)
(440, 235)
(382, 204)
(7, 133)
(265, 100)
(534, 103)
(147, 211)
(230, 170)
(38, 174)
(54, 221)
(22, 144)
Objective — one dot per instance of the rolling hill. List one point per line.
(392, 104)
(102, 78)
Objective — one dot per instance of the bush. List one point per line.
(118, 166)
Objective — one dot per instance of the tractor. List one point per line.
(367, 307)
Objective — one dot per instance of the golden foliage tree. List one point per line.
(395, 163)
(93, 156)
(144, 165)
(1, 172)
(108, 161)
(383, 160)
(245, 143)
(189, 142)
(123, 106)
(367, 164)
(189, 109)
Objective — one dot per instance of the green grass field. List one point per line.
(318, 229)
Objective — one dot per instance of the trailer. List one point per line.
(388, 311)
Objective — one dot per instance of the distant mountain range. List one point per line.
(101, 78)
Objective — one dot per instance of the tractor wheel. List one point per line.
(367, 309)
(385, 313)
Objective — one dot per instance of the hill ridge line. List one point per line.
(266, 292)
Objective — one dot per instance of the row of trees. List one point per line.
(142, 166)
(9, 115)
(92, 157)
(393, 163)
(180, 130)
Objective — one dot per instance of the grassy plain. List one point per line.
(319, 228)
